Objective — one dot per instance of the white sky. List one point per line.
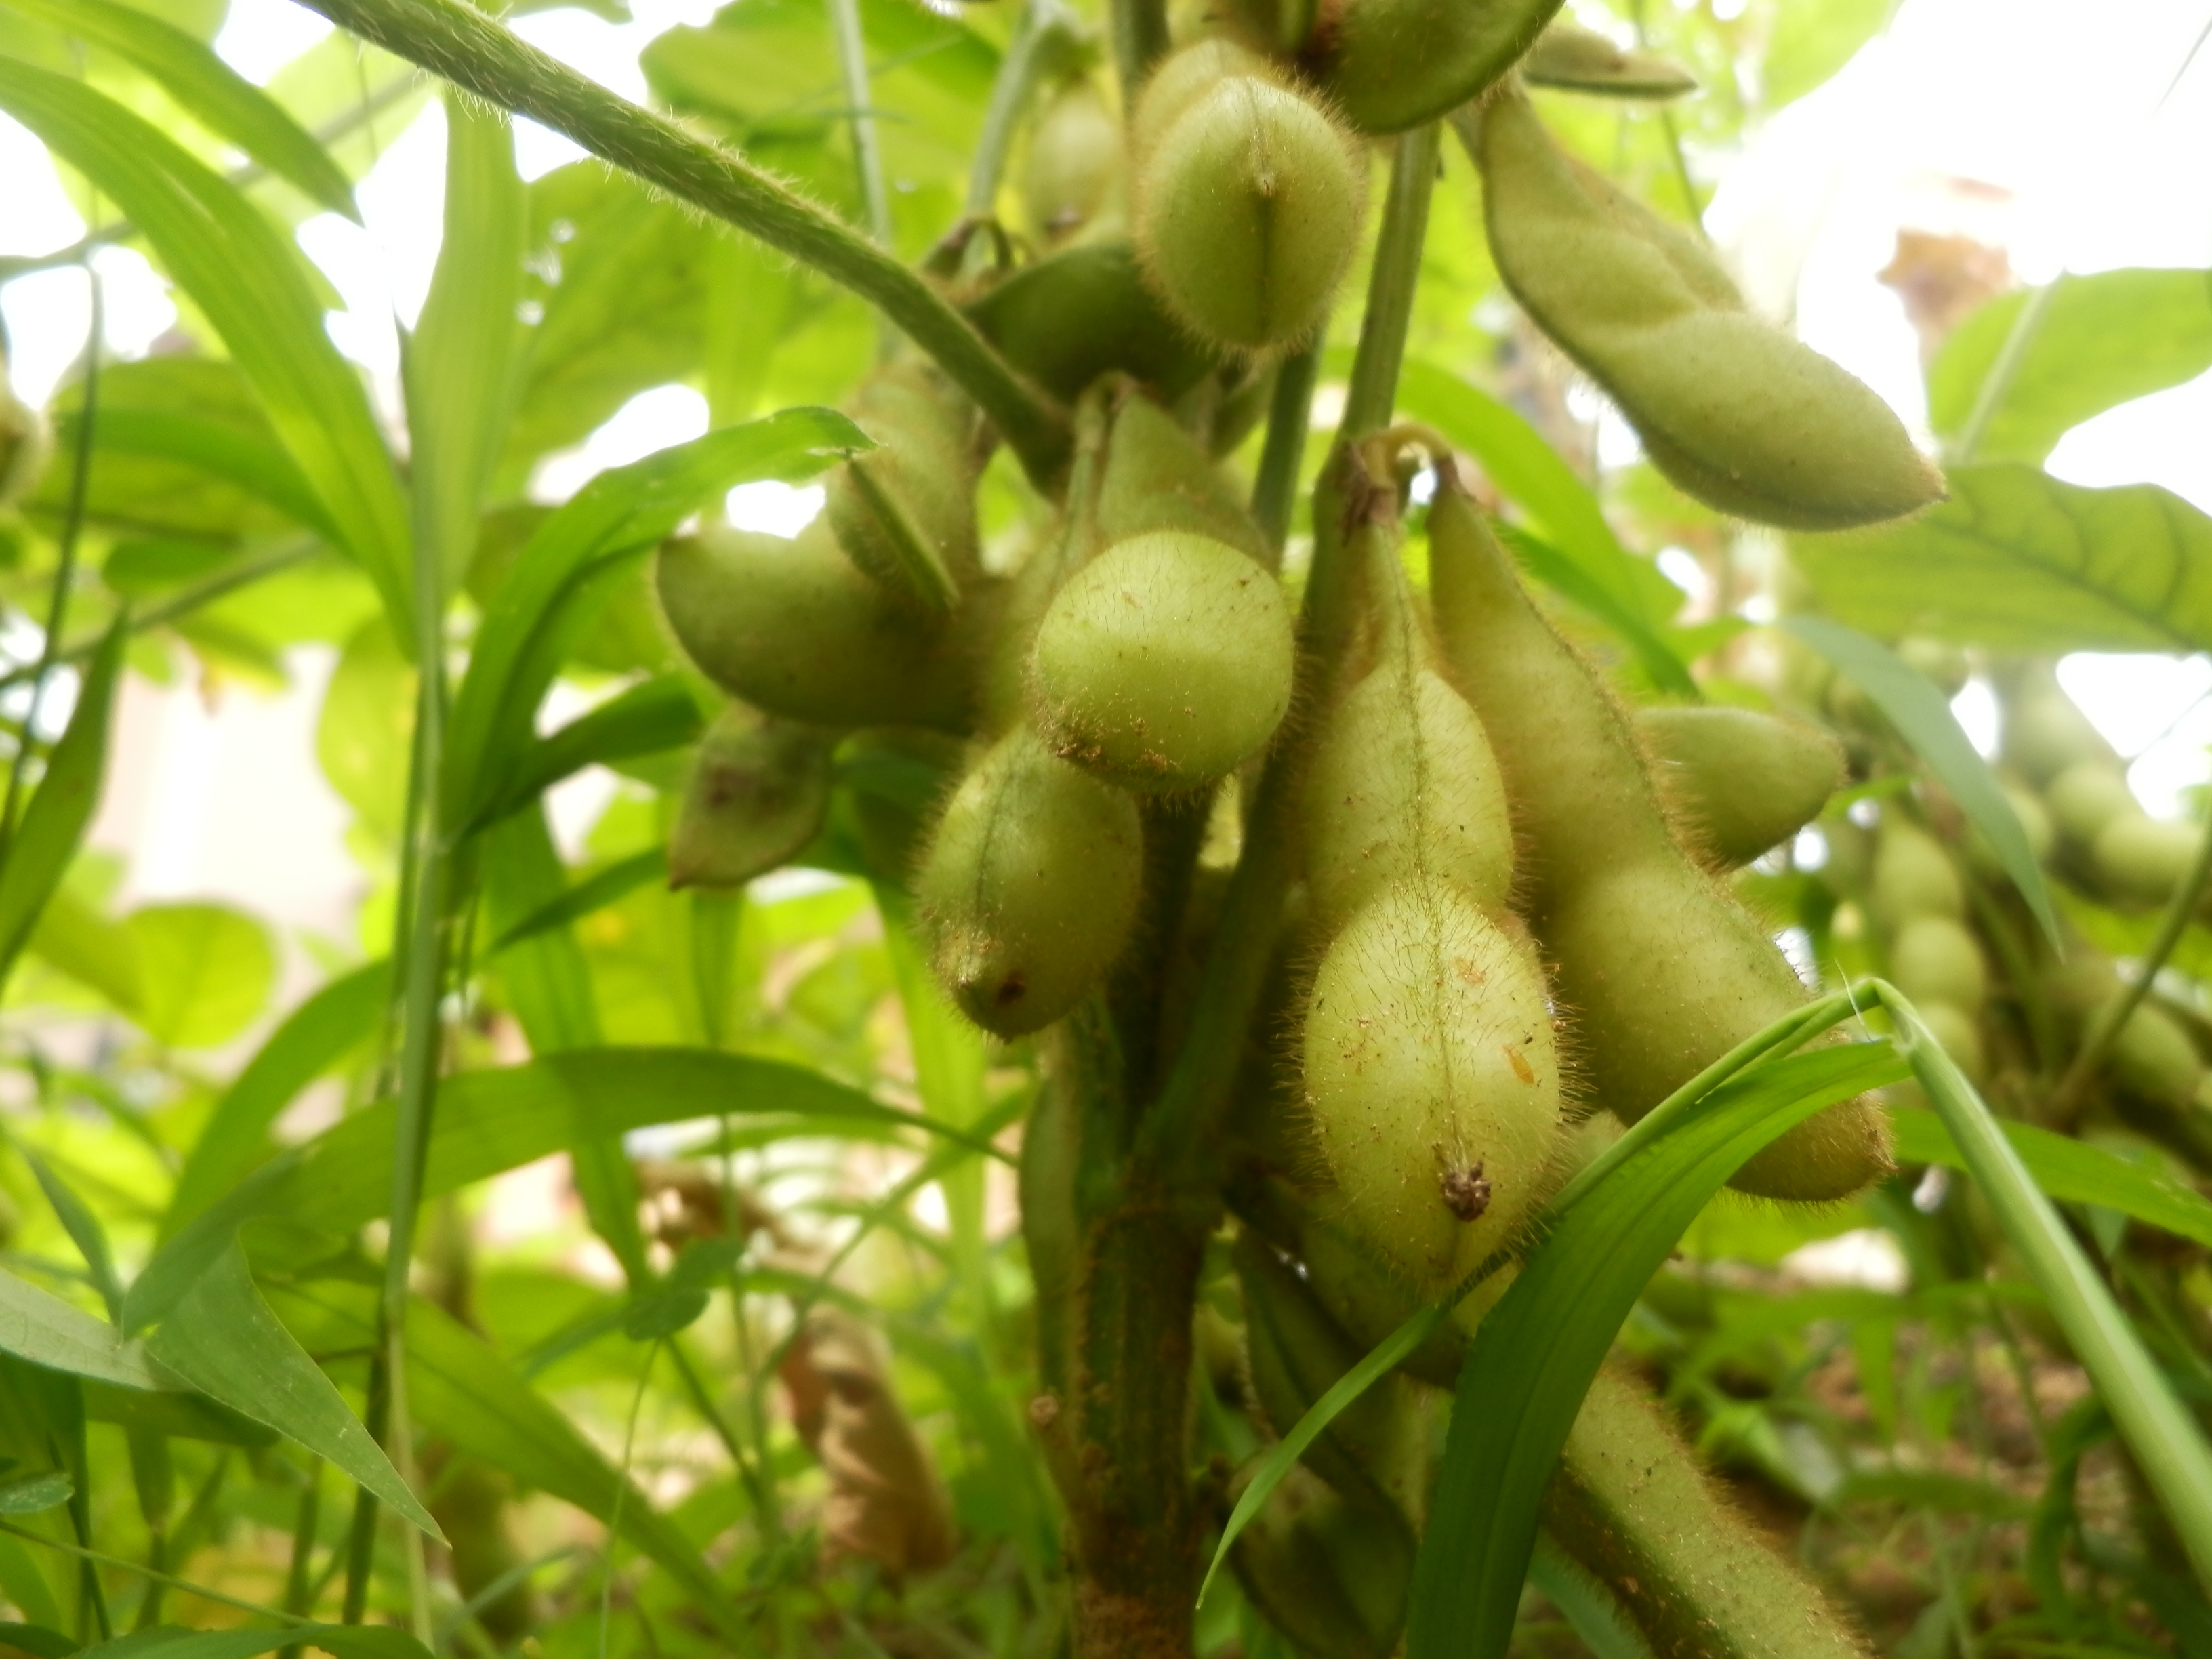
(2057, 105)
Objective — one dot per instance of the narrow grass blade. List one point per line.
(47, 1331)
(84, 1230)
(650, 718)
(612, 885)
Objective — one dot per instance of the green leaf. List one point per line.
(459, 1387)
(213, 446)
(206, 971)
(250, 283)
(1587, 1604)
(47, 1331)
(460, 365)
(342, 1641)
(2101, 341)
(92, 950)
(84, 1230)
(521, 644)
(339, 1018)
(217, 96)
(1923, 719)
(617, 881)
(221, 1338)
(365, 735)
(179, 1416)
(55, 822)
(1811, 40)
(494, 1121)
(650, 717)
(35, 1493)
(1533, 1356)
(40, 1641)
(2067, 1168)
(2019, 560)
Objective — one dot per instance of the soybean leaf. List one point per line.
(221, 1338)
(55, 821)
(84, 1230)
(342, 1641)
(650, 717)
(460, 1389)
(1925, 721)
(313, 1036)
(1813, 40)
(459, 366)
(206, 970)
(2102, 340)
(520, 646)
(218, 97)
(250, 283)
(1534, 1354)
(493, 1120)
(45, 1330)
(2019, 560)
(594, 893)
(2067, 1168)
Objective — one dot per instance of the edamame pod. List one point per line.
(758, 792)
(1738, 781)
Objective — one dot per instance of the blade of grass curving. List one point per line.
(1533, 1356)
(1925, 721)
(47, 1331)
(217, 96)
(594, 893)
(84, 1230)
(222, 1338)
(650, 717)
(2064, 1168)
(251, 284)
(2168, 1448)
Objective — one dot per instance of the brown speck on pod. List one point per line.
(1467, 1194)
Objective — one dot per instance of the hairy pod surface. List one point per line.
(1084, 312)
(1163, 662)
(905, 514)
(1392, 64)
(1691, 1572)
(792, 628)
(1156, 477)
(1073, 172)
(1666, 972)
(2152, 1056)
(1433, 1078)
(758, 792)
(1368, 1298)
(1186, 75)
(1935, 958)
(1247, 213)
(1738, 781)
(1733, 411)
(1576, 59)
(1029, 887)
(1913, 876)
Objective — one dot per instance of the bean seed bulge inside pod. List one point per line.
(1163, 662)
(1433, 1078)
(1248, 214)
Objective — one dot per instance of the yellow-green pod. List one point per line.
(1247, 212)
(1029, 887)
(905, 514)
(2042, 731)
(1959, 1034)
(792, 628)
(1393, 65)
(1935, 959)
(1575, 59)
(1369, 1299)
(1073, 172)
(758, 792)
(1663, 971)
(1163, 662)
(1913, 876)
(1739, 781)
(2142, 860)
(1084, 312)
(2152, 1056)
(1432, 1078)
(1183, 78)
(1155, 477)
(1732, 409)
(2086, 796)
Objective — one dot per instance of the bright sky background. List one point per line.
(2064, 108)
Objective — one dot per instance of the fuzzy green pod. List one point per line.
(1432, 1080)
(2152, 1056)
(1732, 409)
(2086, 796)
(1664, 971)
(1084, 312)
(1575, 59)
(1155, 477)
(1369, 1299)
(1690, 1571)
(792, 628)
(1393, 65)
(2142, 860)
(905, 514)
(1247, 213)
(1073, 172)
(2044, 732)
(1331, 1575)
(1913, 876)
(1186, 76)
(758, 792)
(1739, 782)
(1163, 662)
(1029, 887)
(1935, 959)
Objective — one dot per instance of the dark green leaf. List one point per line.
(43, 845)
(2019, 560)
(2101, 340)
(47, 1331)
(1925, 721)
(593, 894)
(217, 96)
(519, 646)
(1534, 1355)
(655, 1315)
(180, 1416)
(250, 283)
(222, 1338)
(34, 1494)
(38, 1640)
(313, 1037)
(650, 717)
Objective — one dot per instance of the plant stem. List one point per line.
(2104, 1030)
(867, 154)
(93, 1557)
(1998, 381)
(50, 648)
(479, 55)
(771, 1523)
(299, 1583)
(1044, 28)
(1372, 395)
(1282, 455)
(1140, 40)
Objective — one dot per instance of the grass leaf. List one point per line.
(610, 886)
(650, 717)
(45, 1330)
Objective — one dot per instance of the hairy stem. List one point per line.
(481, 56)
